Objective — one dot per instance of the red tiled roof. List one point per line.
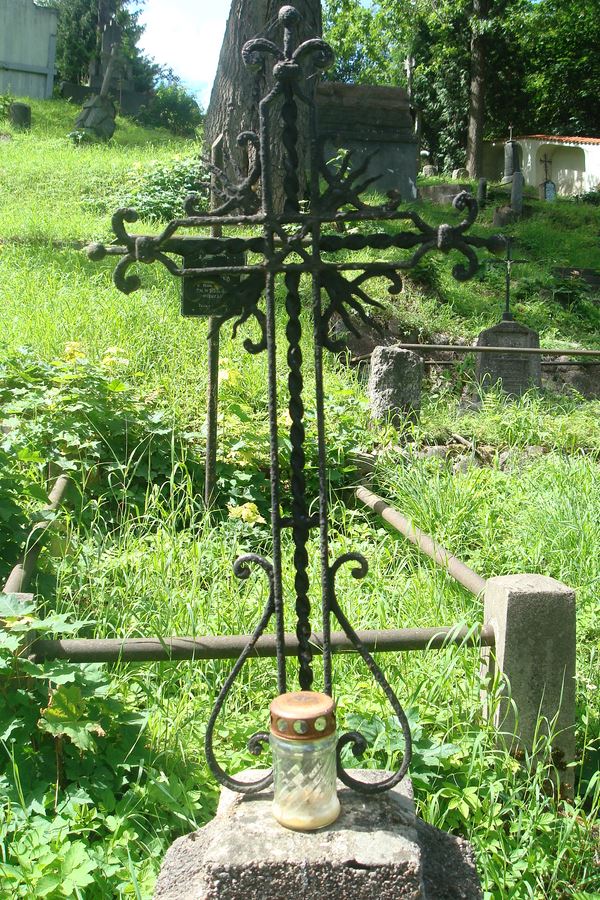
(555, 139)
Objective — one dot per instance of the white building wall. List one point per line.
(573, 166)
(27, 48)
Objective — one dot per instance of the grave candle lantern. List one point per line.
(303, 743)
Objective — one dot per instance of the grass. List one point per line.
(163, 566)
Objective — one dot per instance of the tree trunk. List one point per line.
(237, 92)
(477, 91)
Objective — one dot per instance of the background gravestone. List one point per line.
(512, 162)
(482, 193)
(20, 115)
(516, 194)
(394, 387)
(376, 124)
(515, 374)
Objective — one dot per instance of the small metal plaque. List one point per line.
(211, 295)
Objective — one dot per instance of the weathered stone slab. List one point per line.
(441, 193)
(585, 379)
(394, 387)
(20, 115)
(516, 374)
(516, 193)
(376, 850)
(503, 215)
(371, 120)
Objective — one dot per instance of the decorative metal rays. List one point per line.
(217, 280)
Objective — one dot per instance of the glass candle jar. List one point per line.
(303, 742)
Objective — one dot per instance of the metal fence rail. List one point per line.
(165, 649)
(466, 348)
(229, 647)
(24, 569)
(454, 566)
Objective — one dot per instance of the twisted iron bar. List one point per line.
(294, 242)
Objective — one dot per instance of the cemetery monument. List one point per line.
(295, 240)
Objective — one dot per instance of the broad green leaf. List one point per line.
(66, 717)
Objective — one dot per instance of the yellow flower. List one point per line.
(113, 356)
(247, 512)
(73, 351)
(230, 375)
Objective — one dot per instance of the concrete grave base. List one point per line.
(377, 850)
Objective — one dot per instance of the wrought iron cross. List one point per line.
(508, 262)
(295, 241)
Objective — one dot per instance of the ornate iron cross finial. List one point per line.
(295, 241)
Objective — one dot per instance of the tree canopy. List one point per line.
(78, 40)
(541, 64)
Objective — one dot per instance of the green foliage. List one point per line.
(158, 193)
(88, 419)
(14, 495)
(6, 100)
(78, 42)
(541, 65)
(85, 802)
(174, 108)
(76, 38)
(563, 72)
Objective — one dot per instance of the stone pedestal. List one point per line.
(534, 621)
(377, 850)
(97, 118)
(515, 374)
(394, 387)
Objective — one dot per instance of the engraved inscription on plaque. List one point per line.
(206, 295)
(202, 297)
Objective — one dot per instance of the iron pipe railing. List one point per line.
(230, 646)
(465, 348)
(23, 570)
(454, 566)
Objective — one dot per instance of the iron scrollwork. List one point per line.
(296, 241)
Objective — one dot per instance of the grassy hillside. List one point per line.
(114, 386)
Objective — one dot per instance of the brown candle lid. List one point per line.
(302, 716)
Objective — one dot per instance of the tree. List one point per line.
(481, 10)
(563, 72)
(79, 34)
(236, 93)
(439, 37)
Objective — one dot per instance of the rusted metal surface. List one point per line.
(454, 566)
(214, 336)
(230, 646)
